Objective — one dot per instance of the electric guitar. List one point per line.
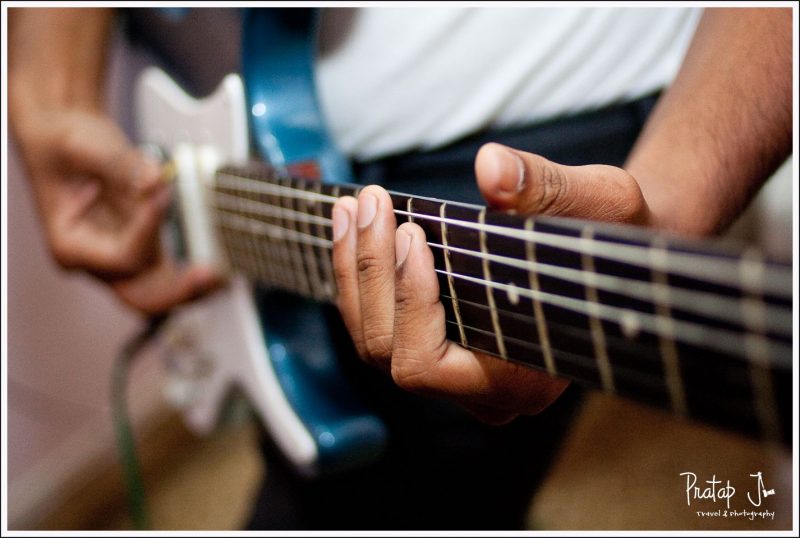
(692, 327)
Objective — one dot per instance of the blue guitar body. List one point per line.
(288, 131)
(277, 348)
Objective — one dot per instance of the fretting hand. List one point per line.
(389, 293)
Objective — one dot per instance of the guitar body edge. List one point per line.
(229, 339)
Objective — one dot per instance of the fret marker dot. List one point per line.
(629, 323)
(513, 294)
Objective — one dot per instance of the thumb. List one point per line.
(516, 180)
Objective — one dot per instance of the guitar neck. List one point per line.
(686, 326)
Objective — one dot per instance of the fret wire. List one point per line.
(567, 356)
(596, 327)
(312, 267)
(663, 301)
(297, 255)
(636, 378)
(227, 201)
(288, 275)
(248, 225)
(555, 326)
(654, 383)
(447, 265)
(756, 347)
(690, 332)
(268, 272)
(635, 255)
(541, 323)
(274, 231)
(697, 302)
(722, 340)
(328, 260)
(280, 276)
(501, 346)
(329, 280)
(723, 272)
(410, 209)
(249, 244)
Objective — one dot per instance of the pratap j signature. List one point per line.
(715, 490)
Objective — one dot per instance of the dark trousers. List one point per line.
(443, 469)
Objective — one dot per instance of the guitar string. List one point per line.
(736, 400)
(715, 307)
(621, 372)
(761, 267)
(723, 271)
(628, 342)
(723, 340)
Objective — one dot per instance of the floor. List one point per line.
(619, 469)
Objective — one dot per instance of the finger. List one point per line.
(425, 361)
(510, 179)
(139, 236)
(375, 258)
(81, 242)
(165, 286)
(345, 268)
(101, 149)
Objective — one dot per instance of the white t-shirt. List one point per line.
(397, 79)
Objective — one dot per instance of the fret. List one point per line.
(679, 324)
(489, 292)
(312, 267)
(265, 269)
(538, 311)
(270, 257)
(756, 348)
(282, 258)
(666, 328)
(448, 266)
(482, 340)
(298, 262)
(595, 325)
(249, 243)
(329, 280)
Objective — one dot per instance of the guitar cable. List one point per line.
(132, 474)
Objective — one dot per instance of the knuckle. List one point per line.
(378, 343)
(62, 252)
(553, 188)
(368, 265)
(126, 259)
(407, 374)
(629, 204)
(343, 273)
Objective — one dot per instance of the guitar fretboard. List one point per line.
(688, 326)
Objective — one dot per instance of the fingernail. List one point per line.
(341, 222)
(512, 173)
(367, 208)
(402, 244)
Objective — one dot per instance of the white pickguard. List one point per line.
(214, 343)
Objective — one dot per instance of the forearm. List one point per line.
(56, 60)
(723, 126)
